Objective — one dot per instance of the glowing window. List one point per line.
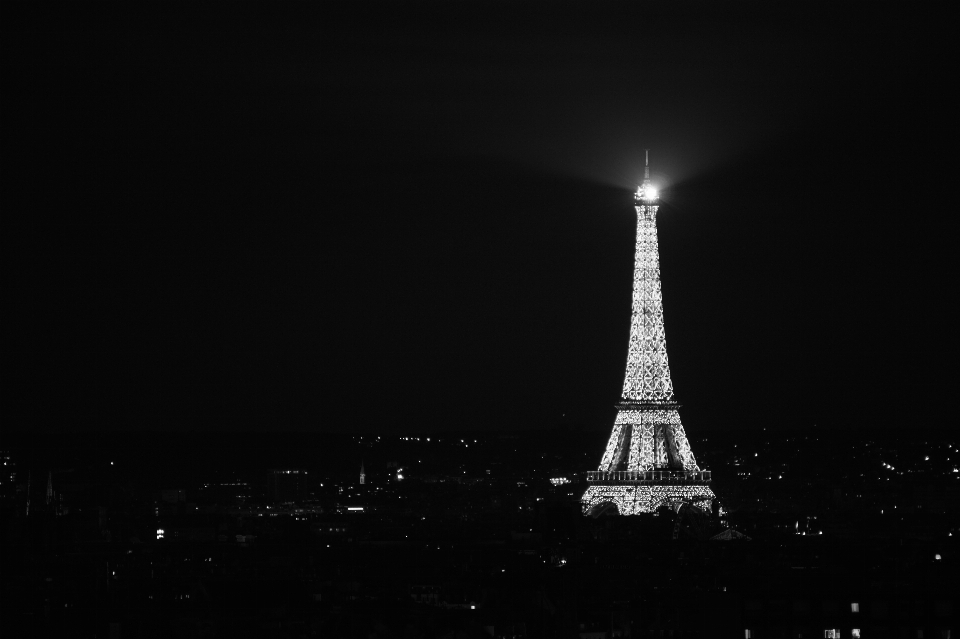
(855, 633)
(854, 607)
(159, 533)
(747, 634)
(831, 634)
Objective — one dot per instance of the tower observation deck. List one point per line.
(648, 462)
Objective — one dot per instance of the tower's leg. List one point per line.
(613, 448)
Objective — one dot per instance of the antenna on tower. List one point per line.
(646, 194)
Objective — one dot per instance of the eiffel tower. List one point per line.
(648, 462)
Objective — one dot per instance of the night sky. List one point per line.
(418, 216)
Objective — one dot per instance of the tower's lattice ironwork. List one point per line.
(648, 462)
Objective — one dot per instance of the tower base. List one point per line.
(633, 499)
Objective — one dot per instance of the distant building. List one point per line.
(363, 475)
(228, 493)
(331, 527)
(394, 471)
(286, 485)
(191, 527)
(8, 476)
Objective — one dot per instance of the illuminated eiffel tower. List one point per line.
(648, 462)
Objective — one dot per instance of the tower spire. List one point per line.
(646, 192)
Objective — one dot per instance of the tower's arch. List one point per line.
(606, 508)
